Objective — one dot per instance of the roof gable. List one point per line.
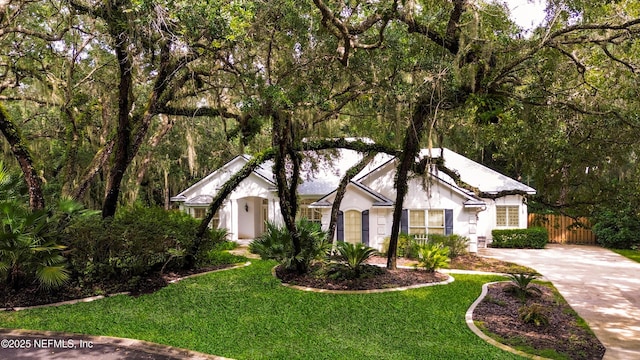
(321, 173)
(192, 193)
(477, 175)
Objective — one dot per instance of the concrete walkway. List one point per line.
(602, 286)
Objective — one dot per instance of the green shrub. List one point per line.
(136, 241)
(216, 257)
(275, 243)
(355, 255)
(407, 246)
(532, 238)
(458, 245)
(433, 256)
(617, 228)
(535, 314)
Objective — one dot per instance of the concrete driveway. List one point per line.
(602, 286)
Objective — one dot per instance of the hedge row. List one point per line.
(532, 238)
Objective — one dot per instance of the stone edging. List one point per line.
(374, 291)
(139, 345)
(483, 336)
(98, 297)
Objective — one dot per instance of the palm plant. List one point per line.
(521, 285)
(275, 243)
(26, 249)
(355, 255)
(433, 256)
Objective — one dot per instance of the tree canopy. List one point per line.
(123, 101)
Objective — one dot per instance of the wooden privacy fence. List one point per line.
(563, 229)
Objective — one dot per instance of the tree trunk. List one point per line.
(98, 162)
(23, 156)
(283, 136)
(407, 159)
(123, 139)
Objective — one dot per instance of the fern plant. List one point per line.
(535, 314)
(433, 256)
(355, 255)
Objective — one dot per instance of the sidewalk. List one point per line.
(602, 286)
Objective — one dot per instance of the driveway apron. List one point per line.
(602, 286)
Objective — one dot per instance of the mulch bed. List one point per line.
(33, 295)
(498, 314)
(384, 279)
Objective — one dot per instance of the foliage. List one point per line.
(521, 285)
(340, 271)
(225, 244)
(137, 241)
(29, 245)
(535, 314)
(275, 244)
(355, 255)
(433, 256)
(531, 238)
(218, 257)
(617, 227)
(458, 245)
(27, 248)
(407, 246)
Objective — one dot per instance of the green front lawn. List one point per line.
(246, 314)
(631, 254)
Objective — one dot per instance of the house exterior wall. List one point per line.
(242, 224)
(242, 211)
(488, 221)
(439, 196)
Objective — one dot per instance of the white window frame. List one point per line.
(427, 227)
(311, 214)
(510, 212)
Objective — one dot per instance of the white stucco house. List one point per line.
(434, 204)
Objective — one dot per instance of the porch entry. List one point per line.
(252, 213)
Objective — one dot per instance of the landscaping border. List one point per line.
(98, 297)
(374, 291)
(483, 336)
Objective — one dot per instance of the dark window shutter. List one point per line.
(448, 222)
(340, 226)
(404, 221)
(365, 227)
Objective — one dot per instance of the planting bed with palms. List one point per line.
(532, 318)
